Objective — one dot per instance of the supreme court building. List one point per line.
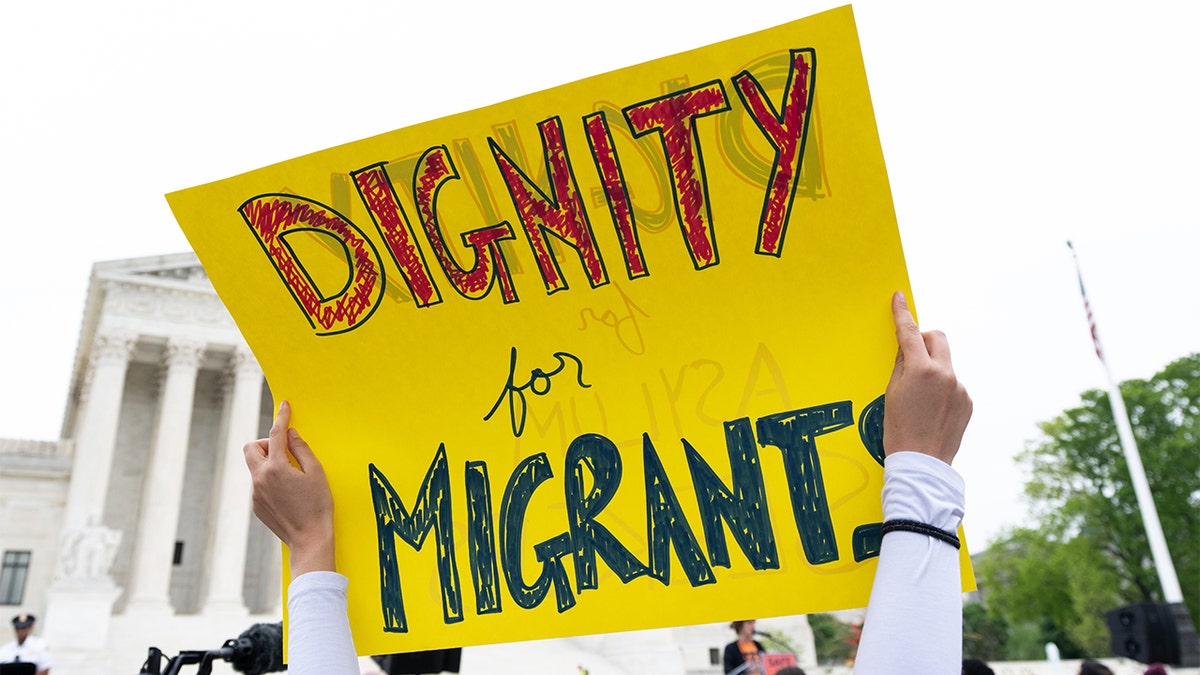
(135, 528)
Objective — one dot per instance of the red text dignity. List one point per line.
(425, 262)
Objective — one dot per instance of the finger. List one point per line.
(908, 335)
(255, 452)
(938, 346)
(303, 453)
(277, 438)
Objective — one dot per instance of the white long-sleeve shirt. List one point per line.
(914, 618)
(319, 641)
(913, 624)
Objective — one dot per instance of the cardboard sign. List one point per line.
(774, 662)
(605, 357)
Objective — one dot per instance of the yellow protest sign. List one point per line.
(605, 357)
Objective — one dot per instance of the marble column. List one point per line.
(150, 581)
(230, 521)
(79, 603)
(96, 428)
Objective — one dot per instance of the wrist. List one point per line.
(313, 553)
(897, 444)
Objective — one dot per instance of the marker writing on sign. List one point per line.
(551, 216)
(590, 475)
(538, 384)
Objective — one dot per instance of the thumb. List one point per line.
(303, 453)
(277, 438)
(908, 334)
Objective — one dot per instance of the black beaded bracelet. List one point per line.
(920, 528)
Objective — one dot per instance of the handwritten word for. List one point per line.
(538, 384)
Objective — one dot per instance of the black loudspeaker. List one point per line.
(421, 663)
(1144, 632)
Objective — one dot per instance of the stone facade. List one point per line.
(33, 496)
(138, 521)
(139, 531)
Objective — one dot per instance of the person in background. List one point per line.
(976, 667)
(1156, 669)
(744, 650)
(790, 670)
(914, 617)
(26, 648)
(1090, 667)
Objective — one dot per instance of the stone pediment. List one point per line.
(177, 270)
(187, 273)
(152, 299)
(167, 295)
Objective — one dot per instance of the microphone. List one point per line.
(774, 640)
(258, 650)
(778, 641)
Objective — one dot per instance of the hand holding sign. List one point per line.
(926, 408)
(293, 501)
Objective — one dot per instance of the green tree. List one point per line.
(1090, 553)
(1026, 577)
(984, 633)
(835, 641)
(1026, 642)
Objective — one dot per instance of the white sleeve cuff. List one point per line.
(922, 488)
(319, 640)
(331, 581)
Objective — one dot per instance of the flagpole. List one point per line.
(1172, 593)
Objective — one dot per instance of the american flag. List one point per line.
(1087, 306)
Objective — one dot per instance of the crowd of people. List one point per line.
(1088, 667)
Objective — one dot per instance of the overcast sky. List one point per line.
(1007, 127)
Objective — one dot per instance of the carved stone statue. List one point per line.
(88, 552)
